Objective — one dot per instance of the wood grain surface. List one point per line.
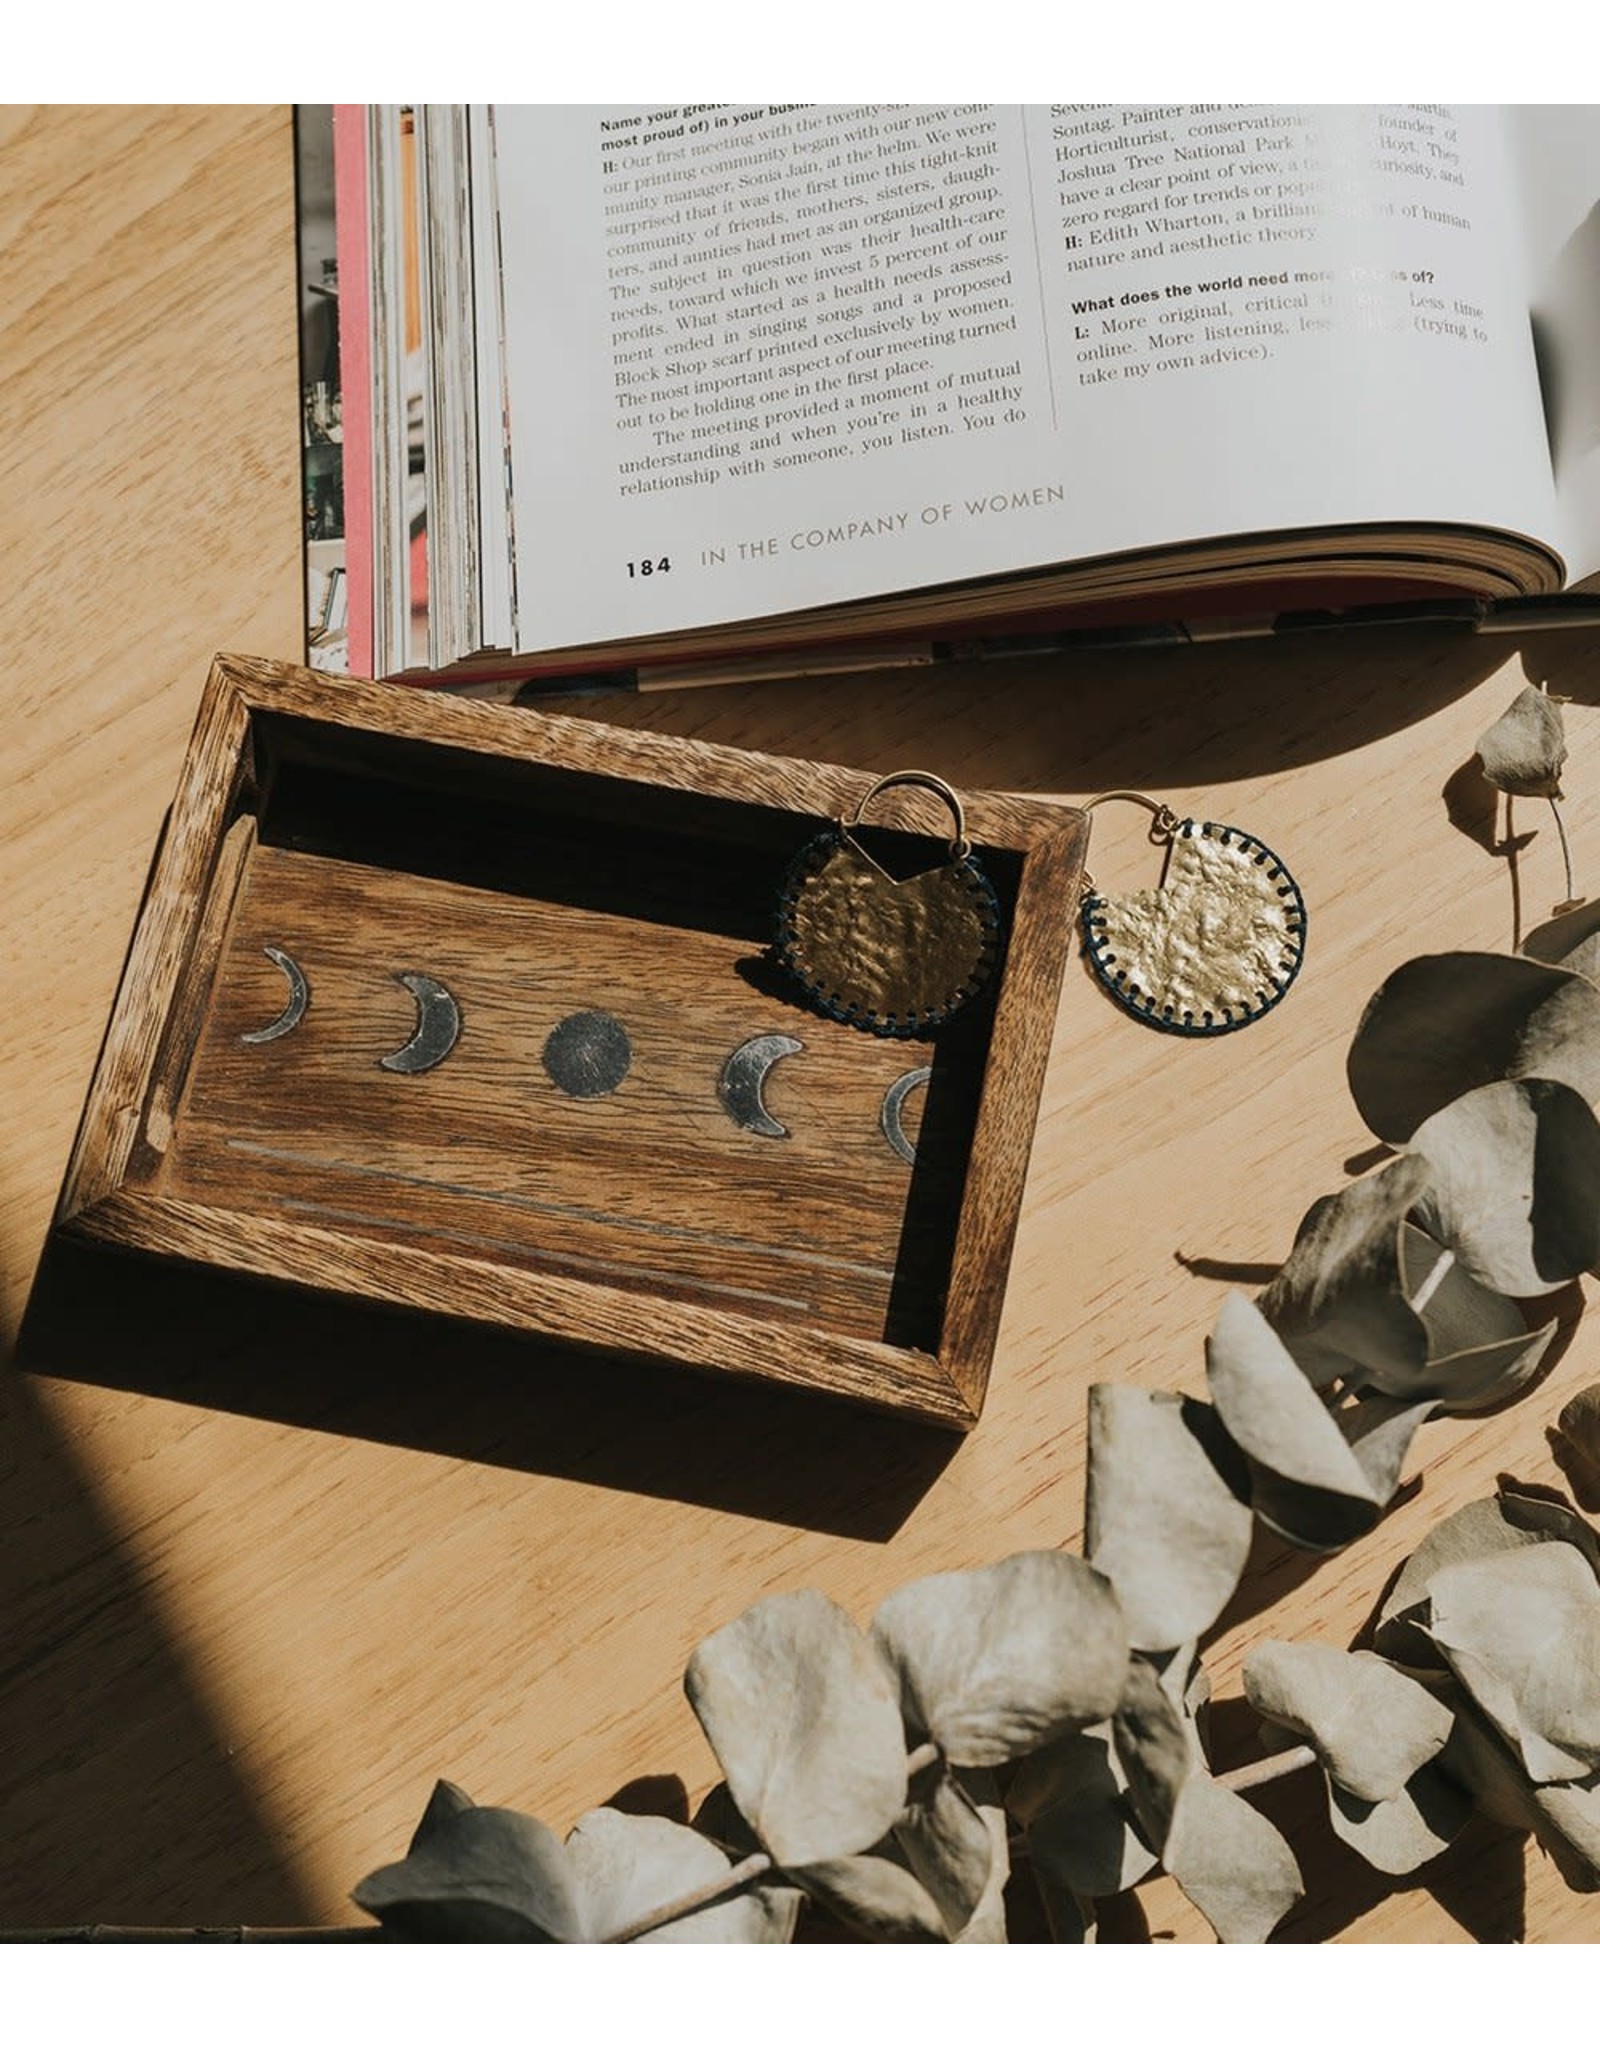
(268, 1570)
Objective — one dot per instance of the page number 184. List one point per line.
(658, 567)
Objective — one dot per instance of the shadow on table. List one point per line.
(493, 1397)
(1209, 714)
(120, 1803)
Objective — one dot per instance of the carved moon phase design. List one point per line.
(438, 1027)
(1210, 950)
(893, 1103)
(293, 1010)
(588, 1054)
(743, 1077)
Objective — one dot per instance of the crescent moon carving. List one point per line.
(293, 1010)
(743, 1077)
(438, 1027)
(893, 1102)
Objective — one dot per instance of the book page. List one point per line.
(491, 510)
(1557, 153)
(770, 357)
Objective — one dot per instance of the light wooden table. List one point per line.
(252, 1603)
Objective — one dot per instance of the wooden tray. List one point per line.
(543, 870)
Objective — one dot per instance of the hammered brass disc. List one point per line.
(1211, 949)
(889, 954)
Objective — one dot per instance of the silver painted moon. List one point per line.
(588, 1054)
(438, 1027)
(293, 1010)
(894, 1100)
(743, 1077)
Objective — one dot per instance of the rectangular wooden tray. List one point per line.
(544, 869)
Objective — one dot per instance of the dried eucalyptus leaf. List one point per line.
(1070, 1798)
(804, 1716)
(628, 1865)
(1230, 1861)
(1564, 1819)
(1514, 1184)
(1379, 1429)
(1187, 1683)
(996, 1661)
(1524, 750)
(1458, 1312)
(1478, 1530)
(879, 1899)
(1337, 1301)
(1153, 1745)
(1072, 1919)
(725, 1827)
(1473, 1380)
(1168, 1512)
(1451, 1022)
(721, 1822)
(444, 1803)
(1543, 1511)
(1312, 1518)
(987, 1927)
(1372, 1727)
(1517, 1518)
(947, 1844)
(1522, 1633)
(1306, 1481)
(1480, 1349)
(1579, 1425)
(1571, 940)
(484, 1873)
(1399, 1835)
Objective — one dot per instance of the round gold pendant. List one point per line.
(895, 955)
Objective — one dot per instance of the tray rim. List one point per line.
(134, 1097)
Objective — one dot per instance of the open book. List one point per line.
(735, 387)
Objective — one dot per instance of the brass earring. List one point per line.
(1217, 942)
(888, 954)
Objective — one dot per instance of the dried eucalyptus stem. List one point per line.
(753, 1866)
(1265, 1769)
(1566, 853)
(1433, 1280)
(102, 1931)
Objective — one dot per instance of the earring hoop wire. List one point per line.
(960, 845)
(1164, 822)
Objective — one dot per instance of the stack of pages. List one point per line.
(713, 389)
